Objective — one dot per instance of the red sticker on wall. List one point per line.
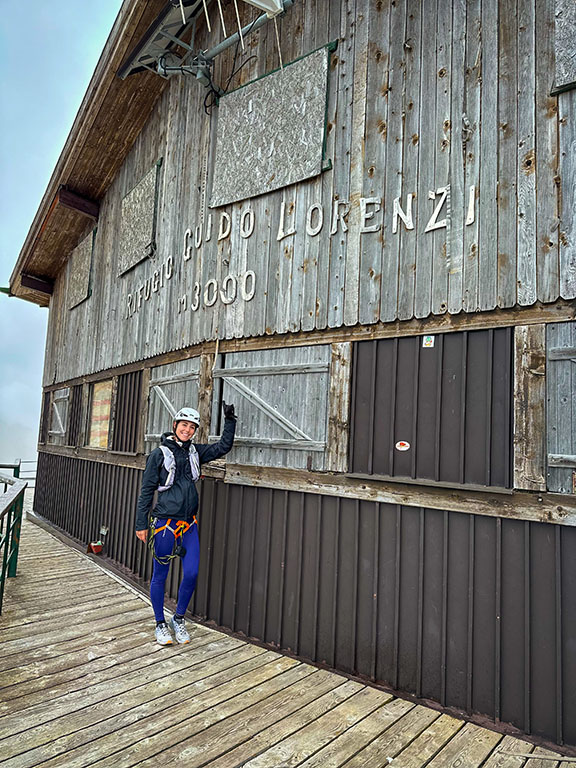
(402, 445)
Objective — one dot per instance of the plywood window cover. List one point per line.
(100, 410)
(289, 130)
(138, 221)
(80, 272)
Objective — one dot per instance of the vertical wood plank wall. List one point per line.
(476, 613)
(420, 97)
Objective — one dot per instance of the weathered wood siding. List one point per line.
(439, 104)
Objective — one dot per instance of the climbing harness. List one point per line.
(178, 550)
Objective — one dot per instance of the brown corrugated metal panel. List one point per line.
(75, 415)
(469, 611)
(127, 410)
(473, 612)
(450, 404)
(82, 496)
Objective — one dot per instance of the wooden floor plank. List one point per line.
(92, 658)
(501, 758)
(300, 746)
(345, 746)
(394, 739)
(84, 629)
(30, 613)
(430, 742)
(54, 587)
(132, 660)
(139, 620)
(92, 588)
(470, 747)
(214, 740)
(94, 654)
(49, 627)
(535, 763)
(111, 714)
(280, 731)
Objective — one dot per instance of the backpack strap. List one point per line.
(169, 466)
(194, 462)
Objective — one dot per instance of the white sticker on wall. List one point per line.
(402, 445)
(428, 341)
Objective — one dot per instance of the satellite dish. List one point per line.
(270, 7)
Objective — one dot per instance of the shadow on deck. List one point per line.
(82, 683)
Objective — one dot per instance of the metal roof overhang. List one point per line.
(112, 114)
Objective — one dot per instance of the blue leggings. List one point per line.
(163, 544)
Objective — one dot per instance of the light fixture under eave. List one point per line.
(270, 7)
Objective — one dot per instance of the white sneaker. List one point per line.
(163, 635)
(180, 631)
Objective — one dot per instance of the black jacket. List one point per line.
(180, 501)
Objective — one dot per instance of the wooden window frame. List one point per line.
(55, 398)
(88, 421)
(530, 407)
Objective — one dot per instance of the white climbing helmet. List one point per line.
(188, 414)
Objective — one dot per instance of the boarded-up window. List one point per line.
(171, 387)
(270, 132)
(281, 397)
(138, 222)
(561, 406)
(127, 413)
(434, 408)
(79, 269)
(59, 416)
(99, 423)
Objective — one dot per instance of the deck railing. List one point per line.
(11, 507)
(28, 471)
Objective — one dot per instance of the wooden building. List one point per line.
(356, 223)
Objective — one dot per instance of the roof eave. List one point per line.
(75, 170)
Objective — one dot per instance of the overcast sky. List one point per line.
(48, 52)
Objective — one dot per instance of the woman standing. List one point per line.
(172, 470)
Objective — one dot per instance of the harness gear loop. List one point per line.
(182, 527)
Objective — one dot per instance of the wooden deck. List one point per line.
(82, 683)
